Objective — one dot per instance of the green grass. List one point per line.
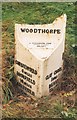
(39, 13)
(34, 13)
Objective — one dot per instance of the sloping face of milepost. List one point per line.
(41, 39)
(39, 50)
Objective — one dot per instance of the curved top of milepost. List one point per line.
(41, 40)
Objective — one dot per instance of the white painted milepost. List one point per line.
(38, 56)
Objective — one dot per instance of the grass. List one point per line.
(39, 13)
(34, 13)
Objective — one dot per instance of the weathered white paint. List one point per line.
(45, 58)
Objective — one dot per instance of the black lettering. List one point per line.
(51, 31)
(22, 29)
(27, 90)
(26, 67)
(47, 31)
(33, 82)
(48, 76)
(53, 78)
(31, 30)
(52, 84)
(26, 78)
(50, 90)
(27, 30)
(58, 70)
(33, 93)
(58, 31)
(35, 30)
(39, 30)
(55, 31)
(21, 80)
(35, 72)
(28, 74)
(43, 30)
(28, 85)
